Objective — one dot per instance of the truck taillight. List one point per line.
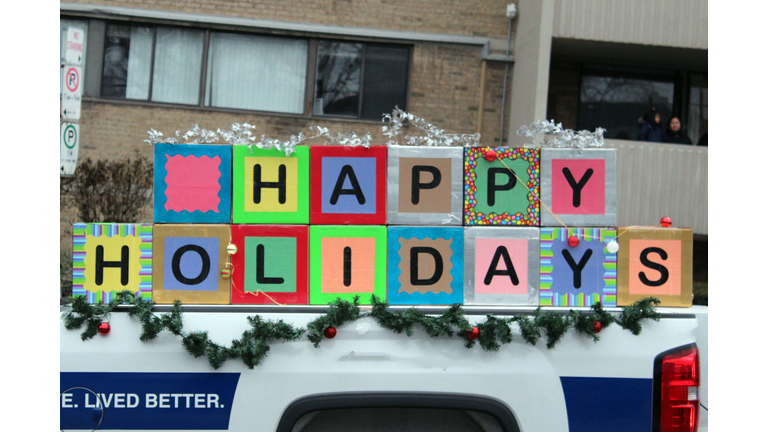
(677, 390)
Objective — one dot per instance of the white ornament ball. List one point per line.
(612, 246)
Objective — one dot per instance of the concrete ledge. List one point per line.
(114, 12)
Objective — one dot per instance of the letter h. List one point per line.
(122, 265)
(280, 185)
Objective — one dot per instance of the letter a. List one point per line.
(501, 252)
(347, 171)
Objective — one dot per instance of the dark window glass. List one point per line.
(616, 101)
(359, 80)
(127, 57)
(338, 78)
(698, 109)
(384, 81)
(397, 419)
(173, 72)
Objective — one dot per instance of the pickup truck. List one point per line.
(365, 377)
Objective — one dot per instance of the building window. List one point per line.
(161, 64)
(698, 115)
(256, 73)
(359, 80)
(229, 70)
(617, 100)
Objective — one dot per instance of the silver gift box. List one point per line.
(608, 218)
(471, 234)
(398, 216)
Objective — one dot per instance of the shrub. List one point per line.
(109, 191)
(115, 191)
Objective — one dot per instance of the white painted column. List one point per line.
(530, 73)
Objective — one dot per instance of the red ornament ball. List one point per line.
(104, 328)
(490, 155)
(226, 273)
(666, 222)
(330, 332)
(474, 333)
(573, 241)
(597, 327)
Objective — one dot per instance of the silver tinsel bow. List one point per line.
(192, 136)
(240, 134)
(435, 136)
(561, 137)
(341, 138)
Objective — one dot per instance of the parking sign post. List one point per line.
(71, 95)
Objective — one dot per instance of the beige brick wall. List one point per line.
(458, 17)
(444, 82)
(445, 86)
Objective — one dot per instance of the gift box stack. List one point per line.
(412, 225)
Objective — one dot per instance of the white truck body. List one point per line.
(579, 385)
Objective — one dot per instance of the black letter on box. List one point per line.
(656, 266)
(260, 269)
(577, 187)
(501, 252)
(577, 268)
(347, 266)
(258, 184)
(347, 171)
(176, 261)
(122, 264)
(416, 185)
(492, 187)
(415, 251)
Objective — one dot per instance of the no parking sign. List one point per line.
(71, 91)
(70, 140)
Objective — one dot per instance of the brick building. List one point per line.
(286, 65)
(432, 51)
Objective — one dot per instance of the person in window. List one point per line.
(650, 127)
(675, 133)
(115, 76)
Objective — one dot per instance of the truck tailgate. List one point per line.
(580, 384)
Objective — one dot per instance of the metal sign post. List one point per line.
(70, 143)
(71, 92)
(71, 95)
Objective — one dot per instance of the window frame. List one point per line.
(154, 28)
(311, 66)
(680, 80)
(361, 93)
(204, 76)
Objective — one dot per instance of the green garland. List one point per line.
(253, 346)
